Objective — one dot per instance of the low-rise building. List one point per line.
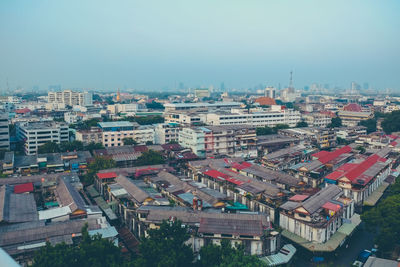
(93, 135)
(253, 231)
(114, 133)
(165, 133)
(359, 179)
(210, 141)
(320, 222)
(268, 118)
(352, 118)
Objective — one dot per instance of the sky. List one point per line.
(156, 44)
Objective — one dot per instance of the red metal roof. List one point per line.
(241, 166)
(23, 188)
(298, 198)
(394, 143)
(22, 110)
(217, 175)
(334, 154)
(331, 206)
(347, 167)
(141, 148)
(320, 154)
(334, 175)
(106, 175)
(355, 173)
(234, 181)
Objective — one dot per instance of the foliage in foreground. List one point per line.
(93, 251)
(385, 220)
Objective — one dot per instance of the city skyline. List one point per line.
(153, 45)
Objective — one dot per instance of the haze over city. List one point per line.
(154, 45)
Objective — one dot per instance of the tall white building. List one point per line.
(4, 132)
(35, 134)
(270, 92)
(267, 118)
(71, 98)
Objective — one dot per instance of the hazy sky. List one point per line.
(150, 44)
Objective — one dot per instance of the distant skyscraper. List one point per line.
(222, 87)
(366, 86)
(326, 86)
(181, 86)
(270, 92)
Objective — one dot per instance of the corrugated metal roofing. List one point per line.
(23, 188)
(107, 175)
(334, 154)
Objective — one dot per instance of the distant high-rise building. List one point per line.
(366, 86)
(4, 131)
(270, 92)
(222, 87)
(181, 86)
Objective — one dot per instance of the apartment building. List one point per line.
(317, 119)
(93, 135)
(320, 222)
(231, 140)
(322, 137)
(352, 118)
(227, 106)
(35, 134)
(71, 98)
(114, 132)
(4, 131)
(186, 118)
(263, 118)
(165, 133)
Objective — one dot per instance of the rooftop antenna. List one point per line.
(291, 80)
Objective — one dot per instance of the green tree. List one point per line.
(150, 157)
(92, 251)
(93, 146)
(71, 146)
(391, 123)
(335, 122)
(302, 124)
(342, 141)
(129, 141)
(384, 219)
(49, 147)
(226, 256)
(99, 163)
(166, 247)
(370, 124)
(155, 105)
(361, 149)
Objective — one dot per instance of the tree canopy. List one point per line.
(166, 247)
(150, 157)
(92, 251)
(52, 147)
(384, 219)
(129, 141)
(301, 124)
(146, 120)
(155, 105)
(370, 124)
(391, 122)
(268, 130)
(99, 163)
(226, 256)
(49, 147)
(335, 122)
